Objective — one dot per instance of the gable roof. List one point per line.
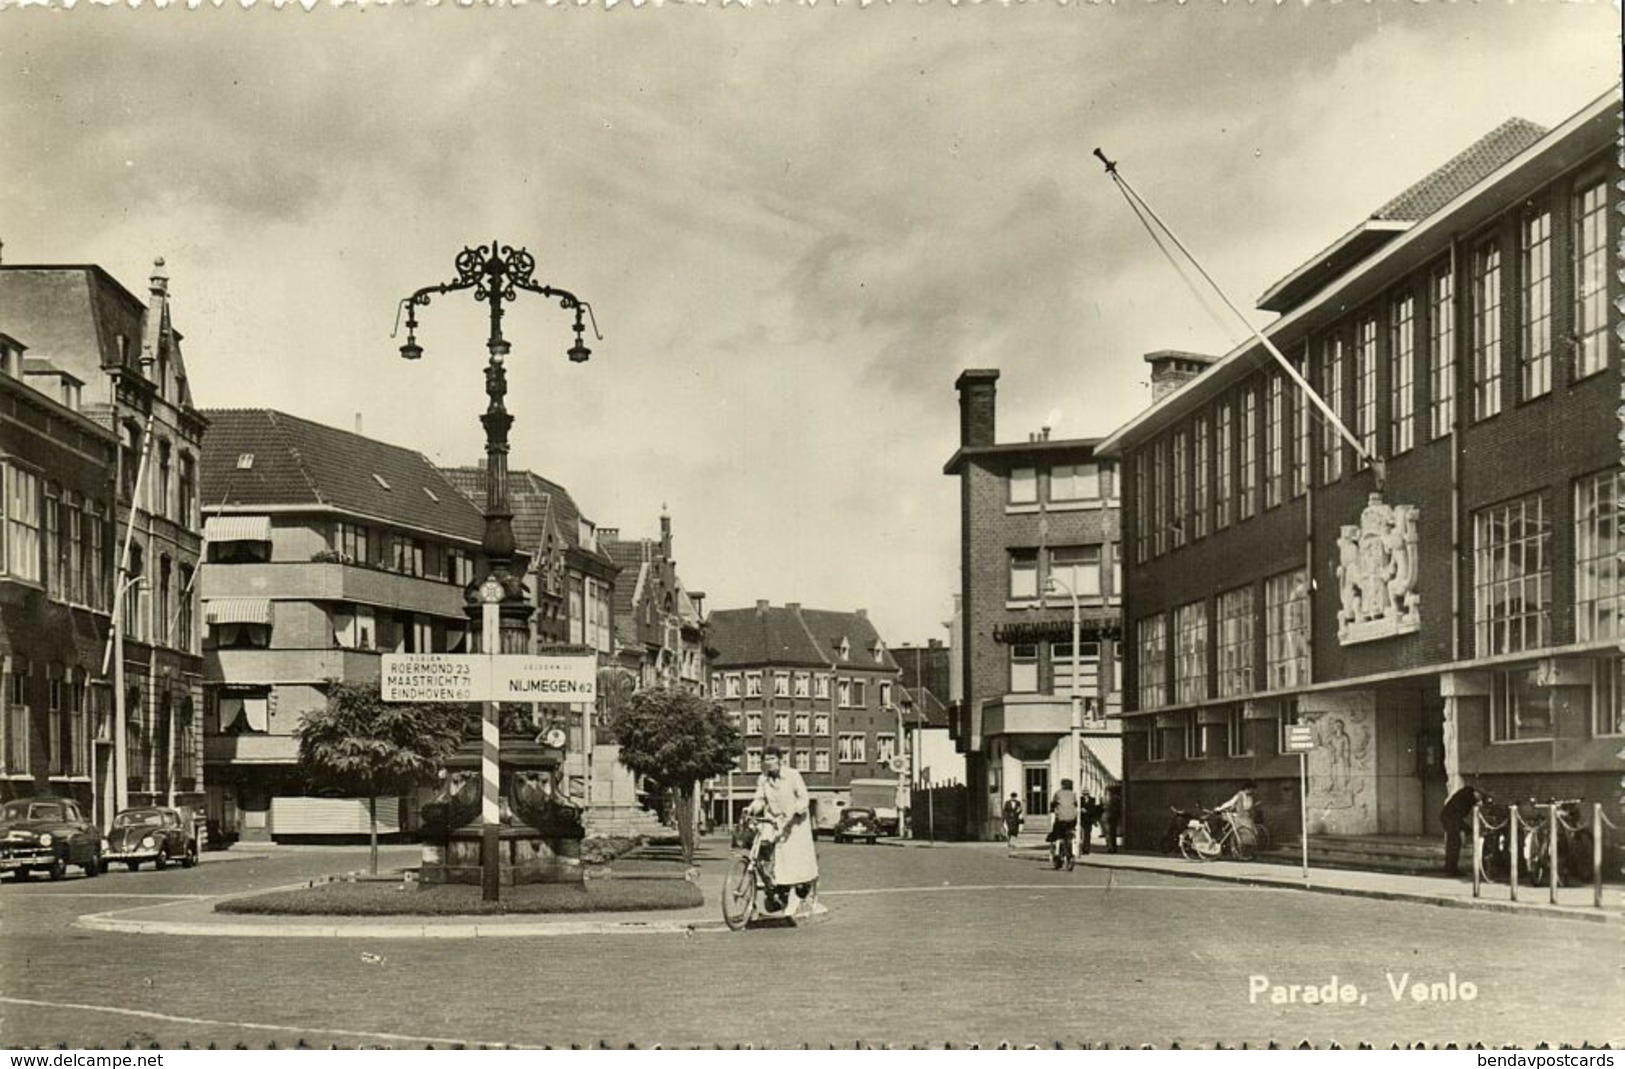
(793, 636)
(540, 507)
(298, 462)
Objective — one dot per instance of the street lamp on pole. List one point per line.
(1075, 756)
(497, 274)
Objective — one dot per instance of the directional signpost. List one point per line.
(1300, 739)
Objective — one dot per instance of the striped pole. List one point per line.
(490, 752)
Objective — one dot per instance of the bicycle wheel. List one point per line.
(1188, 847)
(1243, 844)
(1576, 857)
(739, 894)
(1264, 841)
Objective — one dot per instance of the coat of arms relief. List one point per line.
(1376, 574)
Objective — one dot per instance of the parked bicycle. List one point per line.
(1209, 835)
(1574, 843)
(748, 891)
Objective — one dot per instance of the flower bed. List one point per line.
(397, 899)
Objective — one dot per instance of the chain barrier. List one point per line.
(1557, 833)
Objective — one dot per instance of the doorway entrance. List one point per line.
(1035, 792)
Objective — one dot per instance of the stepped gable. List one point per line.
(297, 461)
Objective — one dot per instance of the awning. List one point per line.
(237, 611)
(237, 529)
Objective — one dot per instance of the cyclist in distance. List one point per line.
(781, 796)
(1063, 807)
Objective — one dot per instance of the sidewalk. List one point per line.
(1573, 903)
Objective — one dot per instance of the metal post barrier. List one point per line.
(1596, 854)
(1516, 846)
(1478, 849)
(1551, 849)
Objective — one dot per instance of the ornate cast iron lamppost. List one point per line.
(496, 273)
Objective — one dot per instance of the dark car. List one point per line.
(856, 823)
(48, 834)
(157, 834)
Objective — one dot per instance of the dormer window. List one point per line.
(428, 491)
(245, 461)
(845, 649)
(880, 653)
(379, 479)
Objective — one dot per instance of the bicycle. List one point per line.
(1198, 842)
(1573, 845)
(748, 890)
(1060, 849)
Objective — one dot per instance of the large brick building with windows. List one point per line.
(1038, 525)
(821, 685)
(1444, 603)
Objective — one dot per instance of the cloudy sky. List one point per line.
(797, 225)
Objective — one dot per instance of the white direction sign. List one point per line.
(1299, 738)
(435, 677)
(473, 677)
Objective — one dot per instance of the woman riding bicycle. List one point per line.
(781, 797)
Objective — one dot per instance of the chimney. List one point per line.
(609, 534)
(1171, 369)
(862, 614)
(358, 423)
(793, 606)
(977, 389)
(761, 606)
(933, 644)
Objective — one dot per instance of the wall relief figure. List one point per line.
(1376, 574)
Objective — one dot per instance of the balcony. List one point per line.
(250, 666)
(330, 581)
(250, 750)
(1027, 714)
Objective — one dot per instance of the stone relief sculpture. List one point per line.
(1376, 574)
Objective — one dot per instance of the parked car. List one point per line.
(157, 834)
(857, 823)
(48, 834)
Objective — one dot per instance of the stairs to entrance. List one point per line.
(1406, 854)
(627, 821)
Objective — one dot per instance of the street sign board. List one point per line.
(473, 677)
(434, 677)
(1299, 738)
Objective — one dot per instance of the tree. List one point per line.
(676, 739)
(367, 746)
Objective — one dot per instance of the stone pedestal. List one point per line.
(525, 857)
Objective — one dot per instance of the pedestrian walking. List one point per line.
(1012, 819)
(1111, 815)
(1455, 816)
(1088, 816)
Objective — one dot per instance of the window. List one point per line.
(1156, 746)
(1301, 435)
(753, 723)
(1275, 442)
(1512, 579)
(1402, 350)
(1486, 295)
(240, 712)
(1199, 482)
(52, 541)
(1088, 669)
(753, 760)
(22, 503)
(1608, 696)
(406, 554)
(18, 719)
(1023, 573)
(1331, 391)
(1142, 514)
(802, 684)
(821, 725)
(859, 699)
(1535, 305)
(1153, 649)
(1365, 387)
(1222, 486)
(1074, 482)
(885, 747)
(753, 684)
(1023, 486)
(1599, 579)
(1024, 668)
(354, 542)
(1238, 739)
(70, 549)
(1190, 657)
(730, 683)
(803, 722)
(186, 502)
(850, 748)
(1077, 569)
(1441, 352)
(1591, 279)
(1235, 642)
(781, 684)
(160, 491)
(821, 686)
(820, 760)
(1286, 630)
(802, 760)
(885, 694)
(1159, 498)
(843, 693)
(781, 724)
(1195, 734)
(1182, 487)
(90, 563)
(1520, 708)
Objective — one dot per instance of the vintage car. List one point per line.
(157, 834)
(48, 834)
(856, 823)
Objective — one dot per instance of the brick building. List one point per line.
(1459, 618)
(821, 685)
(326, 550)
(86, 531)
(1038, 525)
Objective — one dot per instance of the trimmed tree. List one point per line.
(677, 740)
(366, 746)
